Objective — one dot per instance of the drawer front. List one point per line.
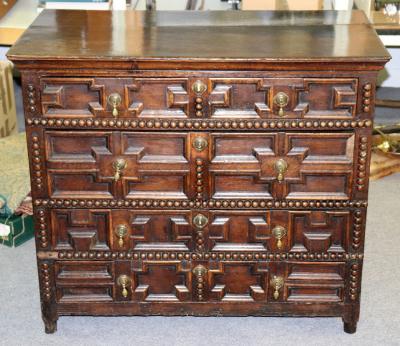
(83, 164)
(221, 166)
(185, 281)
(312, 232)
(302, 97)
(278, 231)
(276, 282)
(119, 230)
(281, 165)
(138, 97)
(199, 97)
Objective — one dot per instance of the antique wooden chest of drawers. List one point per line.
(202, 164)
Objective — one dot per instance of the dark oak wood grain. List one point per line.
(198, 219)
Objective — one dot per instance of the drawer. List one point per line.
(296, 232)
(281, 165)
(230, 231)
(275, 282)
(179, 166)
(118, 230)
(84, 164)
(201, 96)
(185, 281)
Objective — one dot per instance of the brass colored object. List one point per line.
(121, 231)
(281, 100)
(387, 145)
(279, 232)
(200, 221)
(119, 165)
(199, 270)
(277, 284)
(200, 143)
(199, 87)
(114, 100)
(124, 281)
(281, 167)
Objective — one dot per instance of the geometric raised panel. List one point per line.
(161, 231)
(315, 282)
(238, 231)
(80, 229)
(82, 282)
(157, 97)
(319, 231)
(161, 281)
(239, 282)
(239, 97)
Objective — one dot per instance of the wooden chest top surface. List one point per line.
(209, 35)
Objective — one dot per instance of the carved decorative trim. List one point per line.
(207, 124)
(44, 275)
(366, 101)
(42, 234)
(31, 94)
(357, 229)
(215, 204)
(354, 281)
(199, 178)
(226, 256)
(362, 161)
(198, 105)
(37, 164)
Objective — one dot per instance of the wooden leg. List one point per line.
(50, 326)
(350, 327)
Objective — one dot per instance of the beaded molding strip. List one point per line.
(214, 204)
(225, 256)
(354, 281)
(208, 124)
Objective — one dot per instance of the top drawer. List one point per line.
(200, 97)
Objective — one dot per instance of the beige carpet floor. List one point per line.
(20, 321)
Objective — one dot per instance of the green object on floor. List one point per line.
(14, 173)
(21, 229)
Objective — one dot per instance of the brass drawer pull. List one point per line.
(277, 284)
(199, 87)
(281, 100)
(200, 221)
(124, 281)
(199, 271)
(200, 143)
(119, 165)
(281, 167)
(114, 100)
(279, 233)
(121, 231)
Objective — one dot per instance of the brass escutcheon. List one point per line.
(121, 231)
(119, 165)
(199, 270)
(281, 167)
(200, 221)
(199, 87)
(200, 143)
(277, 284)
(279, 232)
(281, 100)
(124, 281)
(114, 100)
